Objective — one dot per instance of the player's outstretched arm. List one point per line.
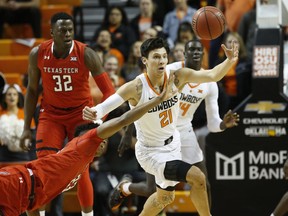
(187, 75)
(110, 127)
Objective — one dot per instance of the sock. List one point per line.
(125, 188)
(42, 213)
(272, 214)
(87, 214)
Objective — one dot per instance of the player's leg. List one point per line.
(144, 188)
(177, 170)
(158, 201)
(84, 192)
(282, 207)
(85, 188)
(49, 140)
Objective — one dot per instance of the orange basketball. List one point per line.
(208, 23)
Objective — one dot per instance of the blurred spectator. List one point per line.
(162, 8)
(229, 81)
(172, 20)
(185, 33)
(102, 46)
(111, 66)
(2, 84)
(21, 12)
(233, 11)
(134, 65)
(246, 30)
(145, 19)
(109, 168)
(177, 53)
(11, 124)
(116, 22)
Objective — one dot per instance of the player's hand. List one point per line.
(125, 143)
(231, 119)
(169, 89)
(89, 114)
(25, 140)
(233, 52)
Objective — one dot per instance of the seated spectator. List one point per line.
(116, 22)
(11, 124)
(102, 46)
(177, 53)
(172, 20)
(21, 12)
(231, 85)
(145, 19)
(111, 66)
(134, 65)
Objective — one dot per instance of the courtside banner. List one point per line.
(245, 163)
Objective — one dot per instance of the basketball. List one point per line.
(208, 23)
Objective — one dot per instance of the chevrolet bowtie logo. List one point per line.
(265, 107)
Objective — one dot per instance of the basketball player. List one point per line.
(190, 98)
(158, 146)
(63, 64)
(29, 186)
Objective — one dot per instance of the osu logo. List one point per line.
(230, 168)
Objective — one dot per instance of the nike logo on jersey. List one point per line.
(73, 58)
(46, 57)
(150, 98)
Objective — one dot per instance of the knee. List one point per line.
(196, 177)
(163, 200)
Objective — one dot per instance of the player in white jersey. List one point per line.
(163, 159)
(190, 98)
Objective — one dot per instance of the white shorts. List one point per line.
(153, 159)
(190, 149)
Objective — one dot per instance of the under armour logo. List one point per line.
(47, 57)
(73, 58)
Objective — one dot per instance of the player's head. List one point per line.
(62, 29)
(193, 54)
(154, 52)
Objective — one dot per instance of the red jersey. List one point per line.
(53, 174)
(65, 81)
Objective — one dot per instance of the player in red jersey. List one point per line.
(64, 65)
(29, 186)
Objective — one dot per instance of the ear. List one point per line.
(144, 60)
(51, 31)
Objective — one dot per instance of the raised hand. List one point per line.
(230, 119)
(169, 89)
(233, 52)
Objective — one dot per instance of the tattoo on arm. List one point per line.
(139, 87)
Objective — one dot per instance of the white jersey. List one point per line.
(159, 123)
(190, 98)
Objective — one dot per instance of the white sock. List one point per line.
(125, 188)
(42, 213)
(272, 214)
(87, 214)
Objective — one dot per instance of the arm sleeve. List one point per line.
(105, 85)
(108, 105)
(212, 109)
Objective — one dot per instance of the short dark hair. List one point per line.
(84, 127)
(194, 40)
(152, 44)
(60, 16)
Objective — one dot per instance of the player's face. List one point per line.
(63, 33)
(194, 54)
(156, 61)
(102, 148)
